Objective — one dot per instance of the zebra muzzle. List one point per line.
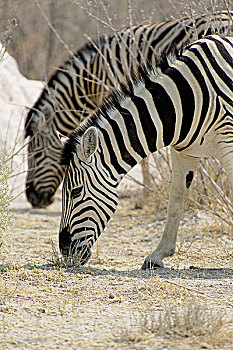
(72, 249)
(38, 200)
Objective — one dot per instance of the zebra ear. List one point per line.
(89, 142)
(38, 122)
(62, 138)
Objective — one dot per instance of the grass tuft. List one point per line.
(193, 320)
(63, 262)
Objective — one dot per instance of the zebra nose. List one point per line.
(38, 200)
(69, 248)
(81, 254)
(47, 199)
(31, 195)
(65, 241)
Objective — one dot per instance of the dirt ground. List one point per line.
(111, 303)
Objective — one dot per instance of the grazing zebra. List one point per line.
(80, 85)
(51, 114)
(187, 103)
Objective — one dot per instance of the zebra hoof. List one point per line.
(150, 265)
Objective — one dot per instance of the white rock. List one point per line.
(16, 93)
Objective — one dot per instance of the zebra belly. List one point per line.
(206, 147)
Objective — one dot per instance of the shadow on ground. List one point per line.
(39, 212)
(192, 273)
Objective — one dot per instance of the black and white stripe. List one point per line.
(78, 87)
(187, 103)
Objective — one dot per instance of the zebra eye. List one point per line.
(38, 154)
(76, 191)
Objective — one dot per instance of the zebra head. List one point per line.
(89, 195)
(44, 148)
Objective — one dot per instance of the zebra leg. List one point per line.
(183, 168)
(224, 154)
(146, 180)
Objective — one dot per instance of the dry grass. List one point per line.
(58, 260)
(210, 190)
(191, 320)
(45, 305)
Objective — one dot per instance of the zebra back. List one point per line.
(68, 74)
(77, 88)
(127, 50)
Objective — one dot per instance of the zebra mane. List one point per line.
(89, 49)
(115, 99)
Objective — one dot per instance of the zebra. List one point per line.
(186, 102)
(78, 87)
(46, 118)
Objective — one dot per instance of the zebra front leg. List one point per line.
(183, 168)
(146, 180)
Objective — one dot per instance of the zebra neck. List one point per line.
(66, 111)
(140, 124)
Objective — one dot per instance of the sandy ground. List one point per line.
(111, 303)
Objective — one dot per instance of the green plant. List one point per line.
(5, 197)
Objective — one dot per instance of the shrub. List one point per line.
(5, 197)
